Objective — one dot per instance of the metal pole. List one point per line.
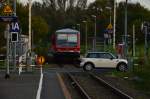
(133, 40)
(15, 42)
(32, 40)
(14, 57)
(94, 46)
(14, 7)
(30, 5)
(7, 61)
(95, 35)
(125, 31)
(110, 16)
(85, 35)
(146, 44)
(114, 26)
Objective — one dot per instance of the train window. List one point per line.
(72, 38)
(67, 40)
(62, 37)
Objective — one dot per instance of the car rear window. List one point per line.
(92, 55)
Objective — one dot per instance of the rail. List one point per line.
(115, 90)
(78, 87)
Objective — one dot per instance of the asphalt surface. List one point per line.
(26, 86)
(19, 87)
(51, 87)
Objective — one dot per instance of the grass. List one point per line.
(140, 72)
(144, 74)
(139, 78)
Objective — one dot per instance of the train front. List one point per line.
(67, 43)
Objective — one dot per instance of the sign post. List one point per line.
(8, 12)
(40, 61)
(7, 62)
(14, 30)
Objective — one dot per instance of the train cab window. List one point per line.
(67, 40)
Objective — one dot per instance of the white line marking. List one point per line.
(38, 95)
(20, 70)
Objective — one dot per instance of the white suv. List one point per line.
(103, 60)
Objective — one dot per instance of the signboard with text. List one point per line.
(14, 27)
(8, 18)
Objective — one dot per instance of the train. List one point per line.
(66, 44)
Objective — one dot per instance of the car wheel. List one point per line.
(88, 67)
(122, 67)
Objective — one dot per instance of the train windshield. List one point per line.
(67, 40)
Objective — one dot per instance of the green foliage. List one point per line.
(22, 13)
(39, 27)
(51, 15)
(40, 32)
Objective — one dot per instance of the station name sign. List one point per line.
(8, 18)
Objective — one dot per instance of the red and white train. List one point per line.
(66, 43)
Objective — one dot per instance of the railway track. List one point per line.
(78, 87)
(90, 86)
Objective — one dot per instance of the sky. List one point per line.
(145, 3)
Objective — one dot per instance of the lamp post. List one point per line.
(8, 51)
(94, 33)
(114, 26)
(125, 31)
(85, 35)
(146, 26)
(30, 5)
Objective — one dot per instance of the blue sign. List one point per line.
(8, 18)
(109, 31)
(14, 27)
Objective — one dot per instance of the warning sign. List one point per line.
(7, 9)
(40, 60)
(109, 27)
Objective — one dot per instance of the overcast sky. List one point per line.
(145, 3)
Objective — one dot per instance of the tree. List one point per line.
(136, 15)
(40, 32)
